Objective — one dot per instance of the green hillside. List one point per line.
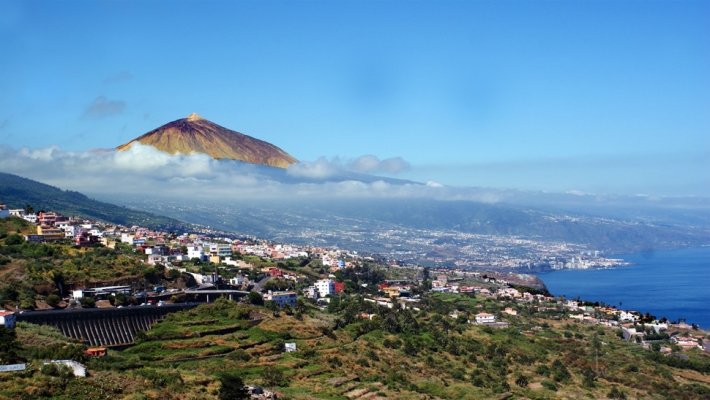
(18, 192)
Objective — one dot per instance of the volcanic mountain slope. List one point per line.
(195, 134)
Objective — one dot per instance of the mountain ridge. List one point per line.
(17, 192)
(195, 134)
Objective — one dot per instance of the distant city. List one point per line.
(407, 246)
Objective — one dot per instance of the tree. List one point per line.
(521, 381)
(87, 302)
(255, 298)
(287, 309)
(272, 376)
(52, 300)
(232, 387)
(9, 346)
(301, 306)
(14, 239)
(271, 306)
(174, 274)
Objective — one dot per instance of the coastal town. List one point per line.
(218, 263)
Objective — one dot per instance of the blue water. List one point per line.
(673, 284)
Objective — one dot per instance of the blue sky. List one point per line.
(602, 97)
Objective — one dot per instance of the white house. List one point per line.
(311, 292)
(627, 316)
(155, 259)
(290, 347)
(485, 318)
(325, 287)
(196, 252)
(20, 213)
(31, 218)
(127, 238)
(70, 231)
(7, 319)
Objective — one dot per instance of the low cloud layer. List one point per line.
(103, 107)
(370, 164)
(319, 169)
(143, 172)
(323, 168)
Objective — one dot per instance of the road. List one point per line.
(259, 284)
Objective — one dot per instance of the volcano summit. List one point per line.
(195, 134)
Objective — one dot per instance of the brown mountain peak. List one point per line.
(195, 134)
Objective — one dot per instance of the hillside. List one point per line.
(18, 192)
(195, 134)
(205, 352)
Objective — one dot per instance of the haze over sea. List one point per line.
(673, 284)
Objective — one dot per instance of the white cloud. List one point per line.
(371, 164)
(143, 171)
(319, 169)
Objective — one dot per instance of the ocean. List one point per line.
(671, 283)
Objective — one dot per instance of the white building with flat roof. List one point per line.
(325, 287)
(485, 318)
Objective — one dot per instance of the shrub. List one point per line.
(52, 300)
(615, 393)
(272, 376)
(363, 362)
(159, 378)
(87, 302)
(239, 355)
(14, 239)
(521, 381)
(232, 387)
(549, 385)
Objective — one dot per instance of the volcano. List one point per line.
(195, 134)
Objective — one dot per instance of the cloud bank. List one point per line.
(370, 164)
(144, 171)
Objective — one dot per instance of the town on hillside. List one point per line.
(219, 264)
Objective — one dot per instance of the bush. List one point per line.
(52, 300)
(549, 385)
(272, 376)
(14, 239)
(521, 381)
(239, 355)
(615, 393)
(232, 387)
(159, 378)
(87, 302)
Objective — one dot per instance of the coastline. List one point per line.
(665, 283)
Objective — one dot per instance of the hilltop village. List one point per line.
(283, 315)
